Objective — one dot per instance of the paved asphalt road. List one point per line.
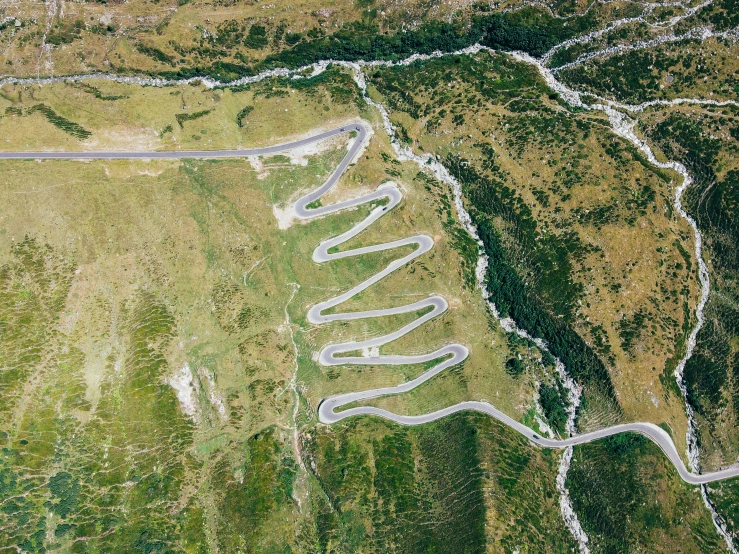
(449, 355)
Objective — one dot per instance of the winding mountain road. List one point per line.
(449, 355)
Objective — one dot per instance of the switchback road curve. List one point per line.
(449, 355)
